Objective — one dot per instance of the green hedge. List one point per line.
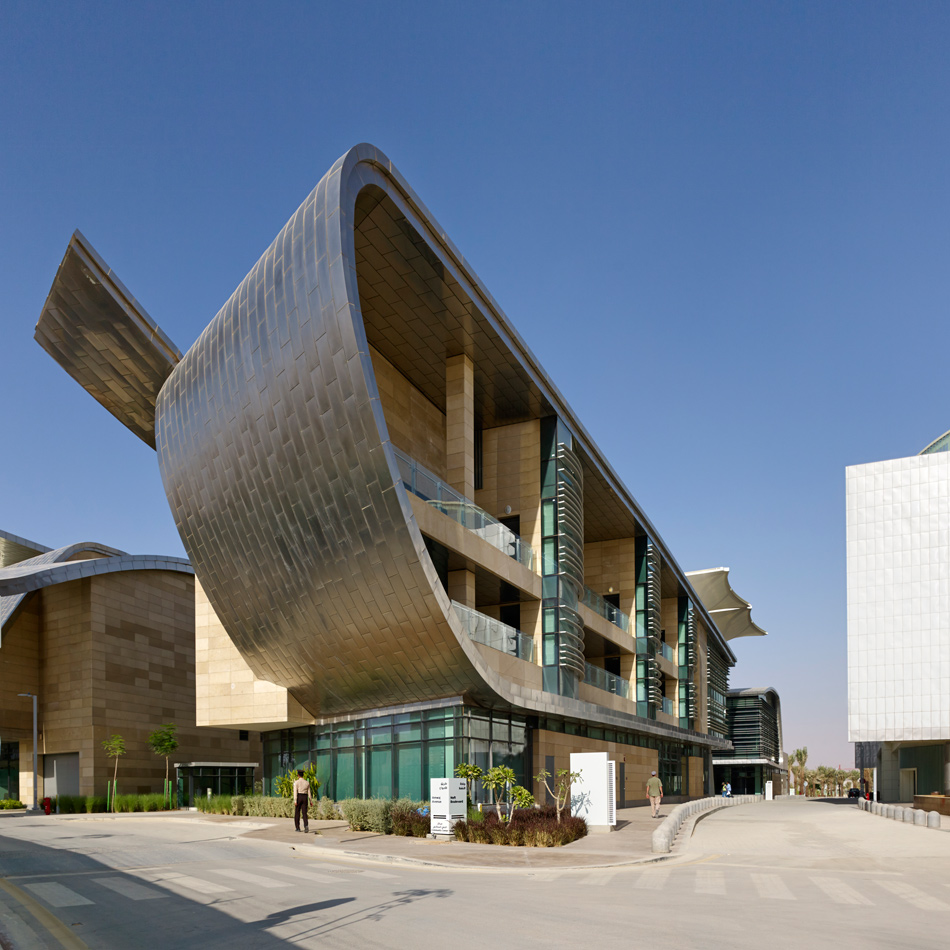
(264, 806)
(11, 803)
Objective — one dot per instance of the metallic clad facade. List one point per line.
(275, 457)
(101, 335)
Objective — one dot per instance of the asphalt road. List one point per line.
(788, 873)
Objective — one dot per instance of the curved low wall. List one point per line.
(664, 836)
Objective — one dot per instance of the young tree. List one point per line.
(114, 746)
(164, 742)
(561, 792)
(500, 781)
(470, 773)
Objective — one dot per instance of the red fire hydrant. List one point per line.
(48, 806)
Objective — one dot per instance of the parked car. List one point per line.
(854, 793)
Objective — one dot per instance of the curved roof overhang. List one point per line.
(732, 614)
(70, 563)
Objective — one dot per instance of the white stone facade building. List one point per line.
(898, 565)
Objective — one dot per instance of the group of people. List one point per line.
(727, 790)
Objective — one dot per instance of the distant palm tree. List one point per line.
(800, 757)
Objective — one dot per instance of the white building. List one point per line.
(898, 549)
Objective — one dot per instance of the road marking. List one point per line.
(130, 889)
(653, 880)
(544, 876)
(771, 886)
(302, 875)
(54, 926)
(598, 880)
(377, 874)
(191, 884)
(256, 879)
(913, 896)
(710, 882)
(840, 892)
(57, 895)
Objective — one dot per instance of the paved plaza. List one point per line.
(783, 872)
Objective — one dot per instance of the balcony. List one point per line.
(609, 682)
(495, 634)
(667, 651)
(433, 491)
(600, 606)
(667, 706)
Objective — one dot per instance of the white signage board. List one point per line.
(447, 803)
(768, 792)
(592, 795)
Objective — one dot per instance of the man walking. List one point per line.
(655, 794)
(301, 802)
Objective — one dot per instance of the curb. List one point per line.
(665, 835)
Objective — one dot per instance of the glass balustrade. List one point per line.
(495, 634)
(614, 614)
(609, 682)
(667, 651)
(668, 706)
(432, 490)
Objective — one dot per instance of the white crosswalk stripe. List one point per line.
(186, 882)
(772, 887)
(256, 879)
(598, 879)
(57, 895)
(543, 876)
(710, 882)
(302, 875)
(913, 896)
(653, 880)
(840, 892)
(127, 888)
(379, 875)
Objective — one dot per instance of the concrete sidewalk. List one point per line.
(630, 843)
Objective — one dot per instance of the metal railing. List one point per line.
(495, 634)
(606, 610)
(432, 490)
(609, 682)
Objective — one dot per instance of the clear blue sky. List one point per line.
(722, 228)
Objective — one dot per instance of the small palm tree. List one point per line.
(114, 746)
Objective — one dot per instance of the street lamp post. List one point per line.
(34, 747)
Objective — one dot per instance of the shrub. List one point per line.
(69, 804)
(12, 803)
(267, 806)
(94, 803)
(326, 810)
(530, 828)
(405, 818)
(237, 805)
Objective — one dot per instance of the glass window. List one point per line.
(409, 771)
(379, 778)
(407, 727)
(345, 773)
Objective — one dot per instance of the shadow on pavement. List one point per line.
(173, 921)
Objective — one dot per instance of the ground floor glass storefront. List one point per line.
(9, 770)
(396, 755)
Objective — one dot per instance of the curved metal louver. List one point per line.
(571, 640)
(570, 513)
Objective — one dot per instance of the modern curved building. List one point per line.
(408, 550)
